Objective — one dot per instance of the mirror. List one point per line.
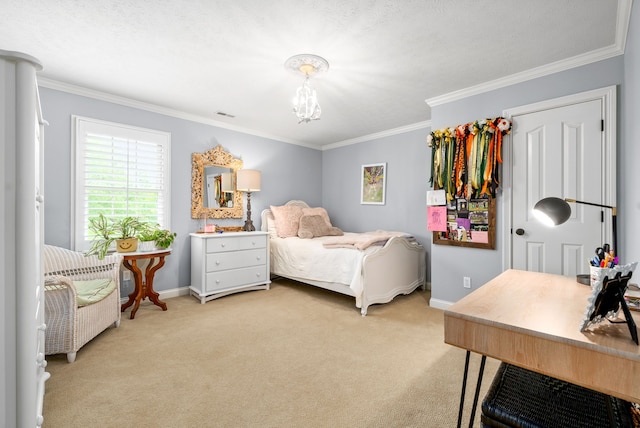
(213, 177)
(218, 188)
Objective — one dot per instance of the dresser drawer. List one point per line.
(235, 259)
(236, 278)
(236, 243)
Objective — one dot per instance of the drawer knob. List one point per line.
(223, 245)
(217, 281)
(258, 258)
(217, 262)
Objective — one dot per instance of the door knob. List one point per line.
(519, 231)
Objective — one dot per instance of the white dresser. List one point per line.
(230, 262)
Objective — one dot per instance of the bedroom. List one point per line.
(318, 173)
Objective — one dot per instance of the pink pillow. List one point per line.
(287, 219)
(312, 226)
(317, 211)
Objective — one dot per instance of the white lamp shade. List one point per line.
(248, 180)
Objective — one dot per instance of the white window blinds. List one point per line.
(120, 171)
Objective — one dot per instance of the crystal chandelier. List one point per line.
(305, 104)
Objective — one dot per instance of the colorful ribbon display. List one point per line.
(464, 159)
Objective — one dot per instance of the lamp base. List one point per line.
(248, 226)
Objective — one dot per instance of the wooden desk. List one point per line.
(144, 287)
(532, 320)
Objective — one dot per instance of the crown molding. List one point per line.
(622, 27)
(387, 133)
(534, 73)
(128, 102)
(115, 99)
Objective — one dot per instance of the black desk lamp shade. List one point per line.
(554, 211)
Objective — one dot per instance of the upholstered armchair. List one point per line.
(82, 298)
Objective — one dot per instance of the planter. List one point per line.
(146, 246)
(127, 245)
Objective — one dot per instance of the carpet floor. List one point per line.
(291, 356)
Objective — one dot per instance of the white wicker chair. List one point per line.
(70, 327)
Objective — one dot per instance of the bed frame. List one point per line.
(398, 268)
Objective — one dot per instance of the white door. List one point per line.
(557, 152)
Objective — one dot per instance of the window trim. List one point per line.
(120, 130)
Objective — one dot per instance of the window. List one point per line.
(120, 171)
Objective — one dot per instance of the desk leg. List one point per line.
(475, 397)
(464, 387)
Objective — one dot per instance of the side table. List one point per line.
(144, 286)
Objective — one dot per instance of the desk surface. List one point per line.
(532, 320)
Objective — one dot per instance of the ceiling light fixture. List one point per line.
(305, 103)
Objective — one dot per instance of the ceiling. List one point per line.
(195, 58)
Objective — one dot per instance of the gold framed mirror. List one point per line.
(213, 190)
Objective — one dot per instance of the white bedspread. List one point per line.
(309, 259)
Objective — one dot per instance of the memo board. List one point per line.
(478, 215)
(465, 165)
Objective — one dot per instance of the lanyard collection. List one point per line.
(464, 159)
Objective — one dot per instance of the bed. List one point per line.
(374, 267)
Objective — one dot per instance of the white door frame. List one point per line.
(607, 97)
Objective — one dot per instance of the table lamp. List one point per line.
(248, 181)
(555, 211)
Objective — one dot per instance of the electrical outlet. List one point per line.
(126, 275)
(466, 282)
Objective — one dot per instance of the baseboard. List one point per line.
(439, 304)
(174, 292)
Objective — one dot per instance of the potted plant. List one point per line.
(153, 236)
(164, 238)
(126, 231)
(107, 231)
(102, 231)
(147, 236)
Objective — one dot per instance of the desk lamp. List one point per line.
(248, 180)
(555, 211)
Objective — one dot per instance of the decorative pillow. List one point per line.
(317, 211)
(312, 226)
(287, 220)
(93, 290)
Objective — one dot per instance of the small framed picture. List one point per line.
(373, 183)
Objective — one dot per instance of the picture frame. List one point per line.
(373, 184)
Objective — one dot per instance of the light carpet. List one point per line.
(292, 356)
